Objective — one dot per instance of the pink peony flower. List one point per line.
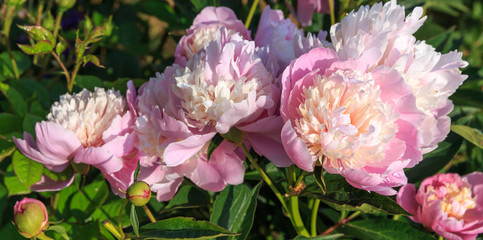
(31, 217)
(306, 8)
(358, 123)
(383, 36)
(449, 204)
(92, 128)
(284, 39)
(205, 25)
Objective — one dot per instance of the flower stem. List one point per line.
(6, 32)
(313, 219)
(342, 222)
(294, 203)
(66, 73)
(251, 13)
(265, 178)
(332, 14)
(150, 215)
(119, 219)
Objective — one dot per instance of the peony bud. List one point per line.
(65, 5)
(139, 193)
(30, 217)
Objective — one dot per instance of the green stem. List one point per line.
(150, 215)
(297, 219)
(332, 14)
(119, 218)
(6, 32)
(300, 178)
(66, 73)
(58, 18)
(251, 13)
(265, 178)
(342, 222)
(313, 219)
(40, 9)
(74, 74)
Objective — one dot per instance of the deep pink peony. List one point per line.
(284, 39)
(358, 123)
(306, 9)
(449, 204)
(384, 35)
(92, 128)
(205, 25)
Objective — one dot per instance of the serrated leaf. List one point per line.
(188, 197)
(60, 230)
(28, 171)
(181, 228)
(214, 143)
(94, 60)
(15, 98)
(14, 186)
(384, 229)
(234, 209)
(61, 46)
(343, 197)
(326, 237)
(40, 48)
(435, 160)
(134, 220)
(38, 33)
(472, 135)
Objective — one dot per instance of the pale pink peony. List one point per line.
(31, 217)
(284, 39)
(382, 35)
(449, 204)
(205, 25)
(92, 128)
(306, 9)
(357, 123)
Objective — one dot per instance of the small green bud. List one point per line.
(138, 193)
(65, 4)
(30, 216)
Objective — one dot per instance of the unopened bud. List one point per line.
(138, 193)
(65, 4)
(31, 217)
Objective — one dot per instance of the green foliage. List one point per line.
(384, 229)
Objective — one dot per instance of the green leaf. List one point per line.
(94, 60)
(384, 229)
(28, 171)
(188, 197)
(468, 97)
(326, 237)
(181, 228)
(14, 186)
(59, 176)
(435, 160)
(110, 211)
(96, 35)
(60, 230)
(235, 136)
(214, 143)
(7, 147)
(134, 220)
(16, 100)
(3, 200)
(38, 33)
(29, 123)
(472, 135)
(61, 46)
(234, 209)
(40, 48)
(343, 197)
(88, 82)
(82, 204)
(9, 123)
(319, 178)
(6, 69)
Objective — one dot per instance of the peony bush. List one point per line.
(335, 121)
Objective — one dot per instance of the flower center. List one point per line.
(88, 114)
(455, 198)
(343, 118)
(201, 38)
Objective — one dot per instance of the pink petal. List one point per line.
(99, 158)
(406, 197)
(178, 152)
(46, 184)
(296, 149)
